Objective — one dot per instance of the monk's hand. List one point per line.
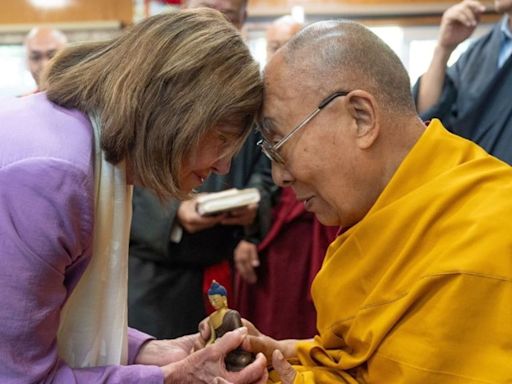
(458, 23)
(257, 342)
(192, 221)
(246, 259)
(283, 367)
(207, 364)
(163, 352)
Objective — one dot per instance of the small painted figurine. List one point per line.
(224, 320)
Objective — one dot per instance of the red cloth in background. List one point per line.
(280, 304)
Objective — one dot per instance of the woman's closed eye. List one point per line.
(226, 144)
(223, 139)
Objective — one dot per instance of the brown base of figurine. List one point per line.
(238, 359)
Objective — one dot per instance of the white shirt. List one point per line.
(506, 44)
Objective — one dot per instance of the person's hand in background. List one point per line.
(241, 216)
(192, 221)
(459, 22)
(246, 260)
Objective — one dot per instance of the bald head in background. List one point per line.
(279, 32)
(234, 10)
(41, 44)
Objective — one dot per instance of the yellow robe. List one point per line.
(420, 290)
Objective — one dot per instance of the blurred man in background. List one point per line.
(279, 32)
(472, 97)
(41, 44)
(234, 10)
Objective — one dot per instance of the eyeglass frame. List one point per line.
(271, 150)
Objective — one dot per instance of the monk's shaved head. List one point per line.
(338, 99)
(350, 56)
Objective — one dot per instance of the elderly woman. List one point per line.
(162, 106)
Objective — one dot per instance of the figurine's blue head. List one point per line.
(217, 289)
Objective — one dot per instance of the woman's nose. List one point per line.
(222, 166)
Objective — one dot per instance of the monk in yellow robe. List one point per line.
(417, 288)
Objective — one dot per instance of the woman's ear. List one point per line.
(362, 106)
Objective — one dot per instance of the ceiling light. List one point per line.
(50, 3)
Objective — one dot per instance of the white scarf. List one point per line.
(93, 328)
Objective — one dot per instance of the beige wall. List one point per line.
(373, 12)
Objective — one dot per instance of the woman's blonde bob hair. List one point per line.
(158, 88)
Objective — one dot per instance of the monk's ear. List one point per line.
(362, 106)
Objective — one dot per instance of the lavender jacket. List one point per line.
(46, 227)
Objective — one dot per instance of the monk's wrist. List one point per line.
(288, 348)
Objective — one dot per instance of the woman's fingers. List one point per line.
(231, 340)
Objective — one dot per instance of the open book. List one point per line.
(214, 203)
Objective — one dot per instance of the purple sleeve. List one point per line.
(135, 340)
(46, 221)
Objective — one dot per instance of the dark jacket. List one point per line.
(476, 101)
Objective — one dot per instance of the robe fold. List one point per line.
(420, 290)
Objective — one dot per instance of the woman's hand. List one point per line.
(255, 341)
(163, 352)
(207, 364)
